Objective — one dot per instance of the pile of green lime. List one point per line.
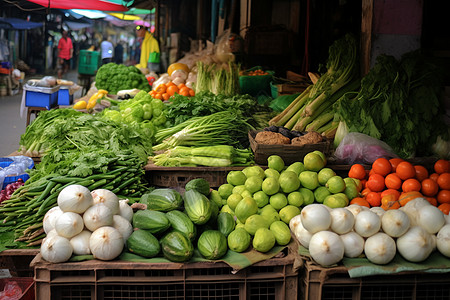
(263, 201)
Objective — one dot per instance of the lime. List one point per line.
(309, 179)
(246, 193)
(281, 232)
(295, 198)
(297, 167)
(239, 240)
(335, 201)
(322, 155)
(288, 212)
(308, 196)
(335, 184)
(278, 201)
(254, 222)
(321, 193)
(313, 162)
(253, 184)
(350, 181)
(215, 196)
(324, 175)
(261, 198)
(351, 191)
(267, 209)
(254, 171)
(225, 190)
(289, 181)
(264, 240)
(245, 208)
(271, 173)
(270, 186)
(233, 200)
(275, 162)
(236, 177)
(227, 209)
(238, 189)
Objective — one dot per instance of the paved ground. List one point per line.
(12, 124)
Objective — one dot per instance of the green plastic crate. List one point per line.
(89, 62)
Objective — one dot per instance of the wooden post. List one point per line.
(366, 35)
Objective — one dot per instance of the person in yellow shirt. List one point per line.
(150, 55)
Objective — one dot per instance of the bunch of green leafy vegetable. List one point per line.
(205, 103)
(218, 79)
(115, 77)
(398, 103)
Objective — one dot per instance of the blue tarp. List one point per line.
(14, 23)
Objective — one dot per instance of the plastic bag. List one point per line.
(11, 291)
(18, 166)
(360, 148)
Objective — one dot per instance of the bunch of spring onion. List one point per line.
(221, 128)
(218, 79)
(210, 156)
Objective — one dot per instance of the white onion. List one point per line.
(98, 216)
(51, 233)
(355, 209)
(108, 198)
(447, 219)
(125, 210)
(353, 244)
(395, 222)
(69, 224)
(380, 248)
(315, 218)
(125, 228)
(302, 235)
(412, 209)
(443, 240)
(106, 243)
(56, 249)
(326, 248)
(367, 223)
(342, 220)
(415, 245)
(74, 198)
(50, 218)
(80, 243)
(431, 218)
(378, 210)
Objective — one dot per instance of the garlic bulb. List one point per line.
(125, 210)
(69, 224)
(106, 243)
(56, 249)
(125, 228)
(395, 222)
(326, 248)
(367, 223)
(342, 220)
(353, 244)
(108, 198)
(98, 216)
(415, 245)
(380, 248)
(50, 218)
(80, 243)
(74, 198)
(315, 218)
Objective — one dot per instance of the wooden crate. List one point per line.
(289, 153)
(17, 261)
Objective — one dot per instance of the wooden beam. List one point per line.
(366, 35)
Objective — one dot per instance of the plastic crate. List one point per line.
(88, 62)
(255, 85)
(275, 278)
(64, 97)
(334, 283)
(179, 176)
(25, 284)
(5, 162)
(41, 96)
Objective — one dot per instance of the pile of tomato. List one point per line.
(391, 183)
(257, 72)
(166, 90)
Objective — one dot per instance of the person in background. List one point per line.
(107, 49)
(65, 53)
(118, 53)
(150, 55)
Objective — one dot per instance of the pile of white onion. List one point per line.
(415, 231)
(85, 223)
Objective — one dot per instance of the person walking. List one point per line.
(118, 53)
(65, 53)
(150, 56)
(106, 48)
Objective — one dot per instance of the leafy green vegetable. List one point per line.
(115, 77)
(218, 79)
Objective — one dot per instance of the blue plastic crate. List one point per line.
(41, 96)
(5, 162)
(64, 97)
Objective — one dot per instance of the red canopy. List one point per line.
(81, 4)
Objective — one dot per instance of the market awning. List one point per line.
(77, 25)
(14, 23)
(81, 4)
